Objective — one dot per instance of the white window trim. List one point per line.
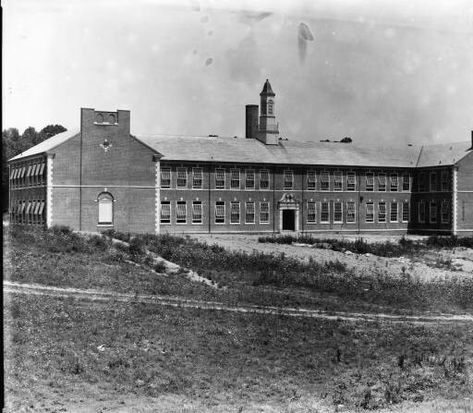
(254, 212)
(239, 212)
(177, 209)
(341, 212)
(328, 212)
(269, 211)
(390, 211)
(194, 203)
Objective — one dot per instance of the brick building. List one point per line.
(102, 177)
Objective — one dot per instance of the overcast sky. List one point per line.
(378, 70)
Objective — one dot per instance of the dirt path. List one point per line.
(97, 295)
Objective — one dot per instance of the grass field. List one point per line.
(63, 354)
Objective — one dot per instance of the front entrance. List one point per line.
(289, 220)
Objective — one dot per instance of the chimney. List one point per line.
(471, 140)
(251, 121)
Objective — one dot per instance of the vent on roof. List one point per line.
(213, 136)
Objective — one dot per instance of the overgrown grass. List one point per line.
(383, 249)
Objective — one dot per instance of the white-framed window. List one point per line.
(181, 177)
(181, 212)
(445, 212)
(105, 201)
(369, 212)
(311, 180)
(235, 179)
(165, 177)
(445, 180)
(394, 184)
(421, 211)
(270, 106)
(433, 181)
(406, 185)
(250, 212)
(381, 211)
(311, 212)
(351, 181)
(337, 181)
(220, 212)
(393, 212)
(324, 212)
(250, 179)
(433, 212)
(234, 212)
(264, 179)
(324, 181)
(370, 181)
(382, 182)
(351, 212)
(197, 178)
(264, 212)
(338, 212)
(220, 178)
(165, 212)
(196, 212)
(405, 211)
(288, 178)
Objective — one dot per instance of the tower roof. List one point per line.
(267, 89)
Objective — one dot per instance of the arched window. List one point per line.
(105, 201)
(270, 106)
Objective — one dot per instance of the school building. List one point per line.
(101, 177)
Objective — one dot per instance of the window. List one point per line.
(311, 180)
(165, 212)
(337, 181)
(382, 212)
(196, 212)
(382, 182)
(270, 106)
(405, 182)
(445, 212)
(421, 211)
(235, 179)
(394, 183)
(433, 212)
(250, 179)
(288, 179)
(338, 212)
(433, 181)
(325, 212)
(351, 181)
(421, 183)
(370, 181)
(197, 178)
(264, 213)
(264, 179)
(324, 181)
(405, 211)
(393, 212)
(105, 201)
(445, 180)
(369, 212)
(351, 212)
(220, 178)
(250, 213)
(181, 212)
(181, 177)
(220, 212)
(165, 177)
(311, 213)
(234, 212)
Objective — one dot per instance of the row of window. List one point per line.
(428, 212)
(335, 181)
(430, 182)
(28, 212)
(238, 213)
(28, 175)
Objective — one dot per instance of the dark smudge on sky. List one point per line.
(209, 61)
(304, 35)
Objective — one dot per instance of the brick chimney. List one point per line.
(251, 121)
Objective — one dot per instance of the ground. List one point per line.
(122, 347)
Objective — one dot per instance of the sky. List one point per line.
(377, 71)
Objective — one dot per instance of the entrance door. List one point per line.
(288, 220)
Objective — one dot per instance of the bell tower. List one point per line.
(268, 132)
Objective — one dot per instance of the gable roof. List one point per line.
(240, 150)
(47, 144)
(442, 154)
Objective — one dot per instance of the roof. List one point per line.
(47, 144)
(237, 150)
(267, 90)
(442, 154)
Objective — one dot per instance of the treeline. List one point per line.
(13, 143)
